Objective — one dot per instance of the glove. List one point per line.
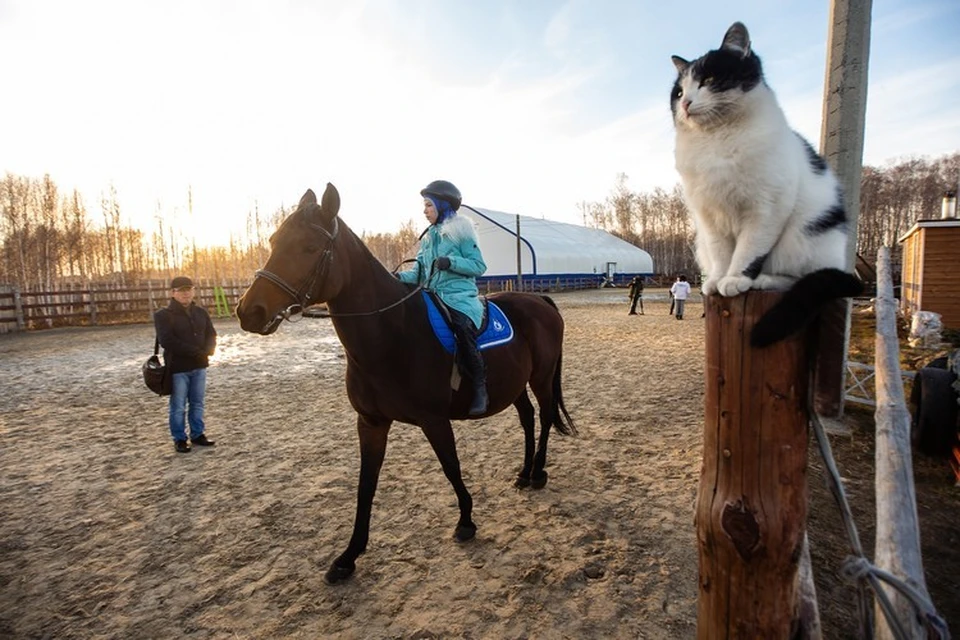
(443, 263)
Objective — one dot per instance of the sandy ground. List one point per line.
(106, 532)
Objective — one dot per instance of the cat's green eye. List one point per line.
(706, 81)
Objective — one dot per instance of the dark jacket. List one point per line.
(186, 335)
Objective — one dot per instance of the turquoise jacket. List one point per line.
(457, 286)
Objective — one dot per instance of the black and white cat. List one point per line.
(768, 211)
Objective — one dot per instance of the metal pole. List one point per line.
(519, 263)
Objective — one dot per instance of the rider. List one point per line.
(448, 263)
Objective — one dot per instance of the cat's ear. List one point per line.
(680, 64)
(737, 39)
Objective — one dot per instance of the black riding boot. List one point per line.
(478, 376)
(473, 361)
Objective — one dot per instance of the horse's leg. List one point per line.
(525, 412)
(440, 436)
(542, 386)
(538, 477)
(373, 446)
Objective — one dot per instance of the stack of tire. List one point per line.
(933, 403)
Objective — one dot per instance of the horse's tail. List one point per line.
(560, 412)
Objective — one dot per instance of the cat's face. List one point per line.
(709, 91)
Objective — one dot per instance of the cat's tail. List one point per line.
(802, 303)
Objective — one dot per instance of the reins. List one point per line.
(419, 288)
(302, 296)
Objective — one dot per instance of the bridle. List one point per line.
(304, 295)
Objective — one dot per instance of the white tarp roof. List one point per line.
(551, 248)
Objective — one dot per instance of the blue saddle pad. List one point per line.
(498, 330)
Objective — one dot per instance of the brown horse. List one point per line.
(397, 369)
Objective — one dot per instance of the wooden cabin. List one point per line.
(931, 269)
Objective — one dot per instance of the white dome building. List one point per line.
(553, 254)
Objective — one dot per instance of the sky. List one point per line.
(528, 106)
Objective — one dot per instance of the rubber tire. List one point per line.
(935, 412)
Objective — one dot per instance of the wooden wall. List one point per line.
(941, 273)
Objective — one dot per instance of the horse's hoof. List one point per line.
(539, 480)
(522, 482)
(338, 574)
(465, 532)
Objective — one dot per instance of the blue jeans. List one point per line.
(188, 387)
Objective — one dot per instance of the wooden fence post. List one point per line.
(898, 527)
(18, 309)
(752, 501)
(93, 305)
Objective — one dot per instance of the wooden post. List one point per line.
(841, 143)
(752, 502)
(18, 309)
(93, 305)
(898, 528)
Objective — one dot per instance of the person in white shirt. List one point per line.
(680, 290)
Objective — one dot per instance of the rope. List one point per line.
(859, 570)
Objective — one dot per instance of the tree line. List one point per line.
(892, 199)
(48, 237)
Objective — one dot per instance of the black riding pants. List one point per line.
(466, 335)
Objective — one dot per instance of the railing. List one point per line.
(91, 304)
(99, 303)
(546, 284)
(861, 383)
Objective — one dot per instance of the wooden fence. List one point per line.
(92, 304)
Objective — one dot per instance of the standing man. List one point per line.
(188, 339)
(636, 295)
(680, 290)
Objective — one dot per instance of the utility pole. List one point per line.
(841, 143)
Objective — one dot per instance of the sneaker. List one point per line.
(181, 446)
(202, 441)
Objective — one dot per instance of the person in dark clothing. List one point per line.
(188, 338)
(636, 295)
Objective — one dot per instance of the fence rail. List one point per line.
(861, 383)
(93, 304)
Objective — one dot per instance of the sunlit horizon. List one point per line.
(528, 109)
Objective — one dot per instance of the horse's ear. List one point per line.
(331, 202)
(308, 198)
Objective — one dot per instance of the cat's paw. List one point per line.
(773, 283)
(730, 286)
(709, 286)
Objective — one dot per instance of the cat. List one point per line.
(767, 210)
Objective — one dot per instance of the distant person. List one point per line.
(188, 339)
(680, 291)
(448, 263)
(636, 295)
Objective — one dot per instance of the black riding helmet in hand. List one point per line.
(443, 190)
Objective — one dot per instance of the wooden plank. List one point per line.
(897, 548)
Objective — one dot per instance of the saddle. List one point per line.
(494, 330)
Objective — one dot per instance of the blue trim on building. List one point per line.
(559, 281)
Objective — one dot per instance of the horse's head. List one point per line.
(300, 270)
